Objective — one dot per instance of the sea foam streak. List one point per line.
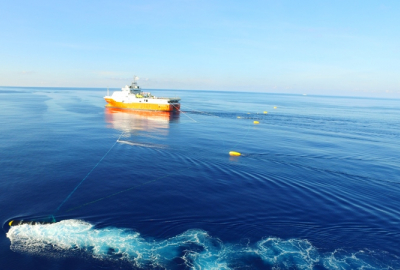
(194, 248)
(149, 145)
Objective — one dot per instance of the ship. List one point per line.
(132, 97)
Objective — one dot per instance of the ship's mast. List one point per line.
(134, 83)
(134, 88)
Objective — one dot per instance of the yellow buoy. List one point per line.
(274, 107)
(256, 122)
(239, 117)
(233, 153)
(265, 112)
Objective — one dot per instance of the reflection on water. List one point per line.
(131, 121)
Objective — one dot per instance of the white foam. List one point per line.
(292, 253)
(195, 248)
(148, 145)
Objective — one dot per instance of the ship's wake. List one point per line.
(193, 249)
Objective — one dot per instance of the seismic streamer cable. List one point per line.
(66, 199)
(202, 112)
(184, 114)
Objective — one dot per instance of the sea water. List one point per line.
(317, 185)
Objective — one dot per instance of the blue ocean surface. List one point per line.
(317, 185)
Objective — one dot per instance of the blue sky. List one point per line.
(315, 47)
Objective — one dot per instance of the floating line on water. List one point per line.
(125, 190)
(66, 199)
(209, 114)
(223, 143)
(184, 113)
(203, 112)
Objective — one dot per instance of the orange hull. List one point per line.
(148, 114)
(143, 106)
